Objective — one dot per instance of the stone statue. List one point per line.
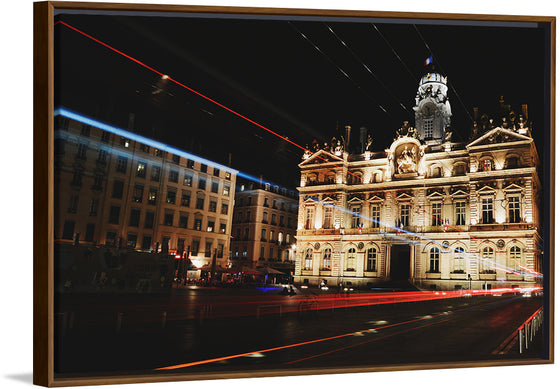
(406, 161)
(369, 143)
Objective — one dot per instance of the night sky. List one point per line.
(304, 79)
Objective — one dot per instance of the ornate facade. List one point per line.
(440, 214)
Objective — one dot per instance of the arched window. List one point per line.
(459, 260)
(514, 259)
(308, 259)
(327, 258)
(371, 260)
(487, 264)
(434, 260)
(351, 259)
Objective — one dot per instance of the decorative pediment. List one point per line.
(355, 198)
(320, 157)
(435, 193)
(459, 193)
(330, 198)
(404, 196)
(498, 135)
(485, 188)
(375, 197)
(514, 187)
(311, 199)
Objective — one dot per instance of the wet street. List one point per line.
(218, 330)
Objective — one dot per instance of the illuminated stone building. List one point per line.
(116, 189)
(436, 213)
(264, 227)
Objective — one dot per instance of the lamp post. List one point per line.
(470, 281)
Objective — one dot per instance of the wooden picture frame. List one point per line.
(44, 288)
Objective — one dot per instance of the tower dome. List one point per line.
(432, 110)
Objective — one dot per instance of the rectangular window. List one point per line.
(208, 249)
(211, 224)
(222, 228)
(198, 224)
(188, 179)
(200, 203)
(68, 230)
(273, 219)
(77, 178)
(220, 253)
(134, 217)
(125, 142)
(105, 136)
(114, 213)
(149, 220)
(263, 235)
(265, 217)
(141, 170)
(203, 168)
(118, 189)
(190, 163)
(225, 208)
(73, 203)
(404, 215)
(428, 128)
(146, 242)
(131, 241)
(212, 206)
(82, 151)
(356, 220)
(215, 187)
(122, 163)
(90, 230)
(173, 176)
(111, 238)
(176, 159)
(375, 216)
(216, 172)
(93, 207)
(171, 195)
(86, 128)
(156, 173)
(158, 153)
(168, 218)
(460, 213)
(487, 210)
(227, 176)
(98, 181)
(138, 193)
(102, 157)
(144, 148)
(309, 215)
(202, 183)
(183, 221)
(152, 196)
(186, 199)
(194, 246)
(225, 190)
(327, 217)
(436, 214)
(514, 209)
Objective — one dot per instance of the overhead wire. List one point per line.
(366, 67)
(344, 73)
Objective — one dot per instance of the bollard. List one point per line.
(520, 335)
(119, 322)
(526, 336)
(163, 319)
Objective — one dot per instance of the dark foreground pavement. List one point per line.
(447, 330)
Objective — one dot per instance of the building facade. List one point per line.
(113, 190)
(440, 214)
(264, 227)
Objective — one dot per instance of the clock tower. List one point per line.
(432, 111)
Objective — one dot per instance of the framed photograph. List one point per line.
(228, 192)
